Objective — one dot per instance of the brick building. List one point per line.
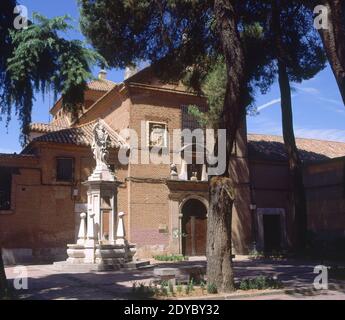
(42, 192)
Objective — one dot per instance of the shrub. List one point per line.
(164, 291)
(186, 290)
(202, 286)
(259, 283)
(142, 291)
(170, 258)
(191, 285)
(212, 288)
(171, 288)
(179, 288)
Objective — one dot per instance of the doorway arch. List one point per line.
(194, 226)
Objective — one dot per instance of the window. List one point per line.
(194, 171)
(5, 189)
(157, 134)
(64, 169)
(188, 120)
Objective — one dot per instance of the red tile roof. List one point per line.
(80, 135)
(16, 155)
(269, 147)
(101, 85)
(44, 127)
(62, 122)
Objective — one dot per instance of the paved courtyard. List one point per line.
(46, 282)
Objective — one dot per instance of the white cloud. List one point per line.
(321, 134)
(333, 101)
(309, 90)
(263, 125)
(272, 103)
(269, 104)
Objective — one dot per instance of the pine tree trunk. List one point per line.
(3, 281)
(333, 40)
(221, 189)
(295, 164)
(219, 251)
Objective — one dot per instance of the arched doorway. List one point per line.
(194, 228)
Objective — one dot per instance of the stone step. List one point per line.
(95, 267)
(145, 264)
(84, 267)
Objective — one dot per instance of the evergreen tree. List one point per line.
(295, 54)
(299, 56)
(333, 37)
(175, 35)
(38, 59)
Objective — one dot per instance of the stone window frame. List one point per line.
(260, 213)
(165, 146)
(73, 169)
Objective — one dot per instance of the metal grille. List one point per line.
(5, 191)
(188, 120)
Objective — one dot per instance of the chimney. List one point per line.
(102, 75)
(130, 71)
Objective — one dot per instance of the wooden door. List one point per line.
(194, 228)
(272, 233)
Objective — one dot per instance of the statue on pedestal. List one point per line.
(100, 148)
(100, 145)
(91, 251)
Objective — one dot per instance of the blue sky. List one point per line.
(318, 110)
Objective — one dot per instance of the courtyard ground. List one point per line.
(45, 282)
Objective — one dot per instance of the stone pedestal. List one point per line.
(101, 241)
(100, 246)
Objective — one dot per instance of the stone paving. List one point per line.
(46, 282)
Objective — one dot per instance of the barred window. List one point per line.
(188, 120)
(5, 189)
(64, 169)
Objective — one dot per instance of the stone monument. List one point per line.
(101, 243)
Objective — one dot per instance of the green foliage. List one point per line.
(171, 288)
(179, 288)
(42, 60)
(259, 283)
(202, 286)
(180, 40)
(301, 45)
(213, 81)
(274, 255)
(149, 30)
(191, 285)
(214, 88)
(170, 258)
(212, 288)
(187, 290)
(142, 291)
(164, 287)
